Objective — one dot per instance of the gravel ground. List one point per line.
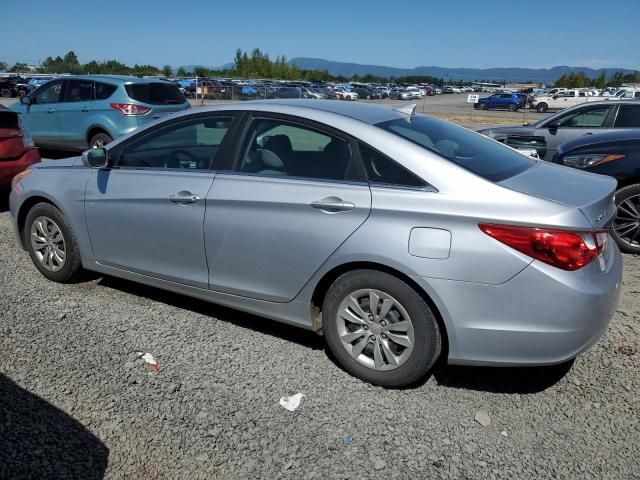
(77, 402)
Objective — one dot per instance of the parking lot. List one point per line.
(76, 401)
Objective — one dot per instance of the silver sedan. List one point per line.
(398, 237)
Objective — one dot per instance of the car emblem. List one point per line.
(599, 217)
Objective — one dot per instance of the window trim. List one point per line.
(63, 91)
(116, 152)
(244, 132)
(427, 187)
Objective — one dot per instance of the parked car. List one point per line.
(616, 154)
(403, 94)
(561, 100)
(396, 236)
(342, 94)
(17, 151)
(366, 93)
(9, 85)
(546, 135)
(74, 113)
(508, 101)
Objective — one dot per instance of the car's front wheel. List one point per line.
(483, 106)
(512, 107)
(380, 329)
(542, 107)
(51, 244)
(626, 224)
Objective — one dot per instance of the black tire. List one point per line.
(71, 269)
(427, 337)
(6, 93)
(483, 106)
(512, 107)
(542, 107)
(99, 140)
(621, 195)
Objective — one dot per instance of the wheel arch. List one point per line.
(322, 287)
(95, 129)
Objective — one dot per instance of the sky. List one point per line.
(462, 33)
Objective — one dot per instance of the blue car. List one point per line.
(508, 101)
(86, 111)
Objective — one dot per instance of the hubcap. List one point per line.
(99, 143)
(626, 223)
(48, 244)
(375, 329)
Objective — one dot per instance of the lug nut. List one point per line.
(384, 336)
(372, 338)
(370, 318)
(383, 323)
(366, 327)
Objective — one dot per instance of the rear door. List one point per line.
(74, 112)
(41, 116)
(292, 195)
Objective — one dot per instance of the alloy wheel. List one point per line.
(626, 223)
(48, 244)
(375, 329)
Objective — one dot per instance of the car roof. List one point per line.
(366, 113)
(118, 78)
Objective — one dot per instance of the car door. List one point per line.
(41, 116)
(575, 123)
(74, 111)
(294, 194)
(146, 214)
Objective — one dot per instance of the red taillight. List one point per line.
(129, 108)
(567, 250)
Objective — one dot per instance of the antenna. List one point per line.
(408, 109)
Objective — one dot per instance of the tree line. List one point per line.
(580, 80)
(258, 64)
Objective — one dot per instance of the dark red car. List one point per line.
(17, 150)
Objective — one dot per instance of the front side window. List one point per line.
(281, 148)
(189, 145)
(79, 91)
(628, 117)
(587, 118)
(471, 151)
(49, 93)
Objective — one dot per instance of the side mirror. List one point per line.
(555, 97)
(552, 126)
(96, 158)
(25, 100)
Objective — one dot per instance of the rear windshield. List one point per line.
(480, 155)
(155, 93)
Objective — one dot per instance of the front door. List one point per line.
(146, 214)
(294, 195)
(583, 121)
(41, 116)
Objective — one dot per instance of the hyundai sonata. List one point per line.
(397, 236)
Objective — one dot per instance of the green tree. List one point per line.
(181, 72)
(167, 71)
(20, 68)
(3, 66)
(601, 81)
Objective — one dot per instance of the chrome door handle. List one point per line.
(85, 109)
(332, 205)
(51, 110)
(184, 198)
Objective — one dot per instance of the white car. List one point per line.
(417, 92)
(344, 94)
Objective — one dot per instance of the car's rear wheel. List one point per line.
(542, 107)
(99, 140)
(626, 224)
(512, 107)
(6, 93)
(380, 329)
(51, 244)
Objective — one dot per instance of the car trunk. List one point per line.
(161, 98)
(591, 193)
(11, 144)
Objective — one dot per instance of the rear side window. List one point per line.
(382, 170)
(155, 93)
(628, 116)
(471, 151)
(79, 91)
(104, 90)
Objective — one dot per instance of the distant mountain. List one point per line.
(538, 75)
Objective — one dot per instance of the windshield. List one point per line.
(474, 152)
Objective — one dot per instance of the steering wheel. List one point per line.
(175, 157)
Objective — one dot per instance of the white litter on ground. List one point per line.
(292, 402)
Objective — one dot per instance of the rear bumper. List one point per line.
(542, 316)
(9, 169)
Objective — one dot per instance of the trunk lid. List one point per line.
(592, 194)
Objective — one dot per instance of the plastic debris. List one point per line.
(347, 440)
(293, 402)
(151, 362)
(482, 417)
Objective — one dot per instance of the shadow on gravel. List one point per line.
(519, 380)
(236, 317)
(39, 441)
(4, 200)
